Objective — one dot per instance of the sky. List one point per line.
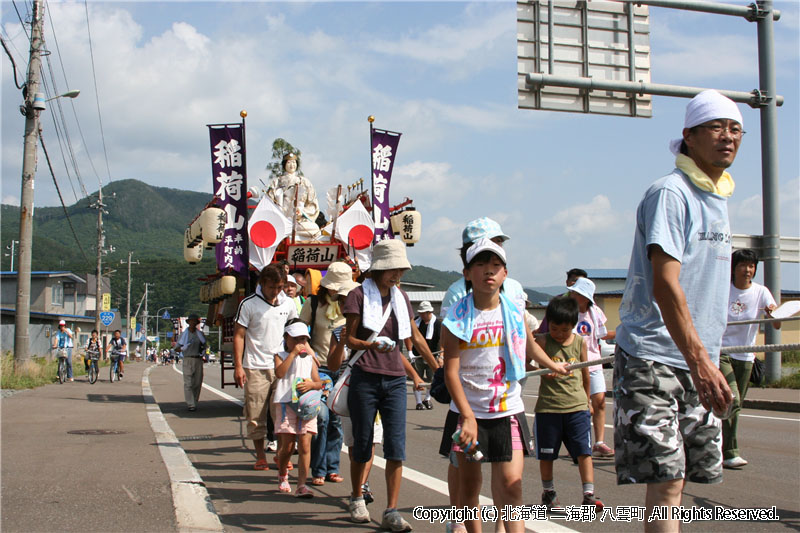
(564, 186)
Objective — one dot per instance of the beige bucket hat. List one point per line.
(338, 273)
(389, 254)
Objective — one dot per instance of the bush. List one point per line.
(40, 372)
(787, 382)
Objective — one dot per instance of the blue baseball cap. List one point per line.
(481, 228)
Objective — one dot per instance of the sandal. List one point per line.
(318, 481)
(261, 464)
(303, 492)
(284, 485)
(334, 478)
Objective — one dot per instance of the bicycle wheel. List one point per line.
(92, 372)
(111, 372)
(62, 370)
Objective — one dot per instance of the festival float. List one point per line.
(280, 222)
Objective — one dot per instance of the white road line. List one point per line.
(540, 526)
(194, 510)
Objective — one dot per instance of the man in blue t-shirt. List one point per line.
(673, 315)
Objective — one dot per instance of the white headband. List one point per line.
(708, 105)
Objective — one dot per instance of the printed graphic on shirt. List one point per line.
(561, 357)
(738, 307)
(483, 367)
(717, 235)
(584, 328)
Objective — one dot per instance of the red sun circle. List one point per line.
(263, 234)
(360, 236)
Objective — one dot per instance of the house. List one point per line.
(54, 296)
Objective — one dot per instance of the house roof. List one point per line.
(607, 273)
(435, 297)
(416, 284)
(47, 274)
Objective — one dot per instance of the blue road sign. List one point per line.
(107, 317)
(165, 316)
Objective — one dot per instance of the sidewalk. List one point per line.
(82, 457)
(787, 400)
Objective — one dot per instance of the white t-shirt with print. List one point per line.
(264, 323)
(747, 304)
(482, 370)
(591, 326)
(301, 367)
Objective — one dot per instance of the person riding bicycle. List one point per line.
(118, 347)
(63, 340)
(93, 346)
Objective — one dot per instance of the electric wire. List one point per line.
(13, 63)
(72, 103)
(21, 21)
(96, 93)
(69, 220)
(49, 94)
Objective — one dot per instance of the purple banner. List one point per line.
(384, 150)
(229, 183)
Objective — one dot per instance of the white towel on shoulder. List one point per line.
(373, 309)
(429, 330)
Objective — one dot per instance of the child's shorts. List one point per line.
(573, 429)
(498, 438)
(287, 421)
(597, 381)
(347, 431)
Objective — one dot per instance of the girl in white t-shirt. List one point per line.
(296, 362)
(748, 300)
(486, 342)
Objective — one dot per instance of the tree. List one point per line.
(280, 148)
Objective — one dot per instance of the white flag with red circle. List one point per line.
(356, 230)
(267, 227)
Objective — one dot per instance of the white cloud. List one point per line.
(745, 214)
(582, 222)
(10, 200)
(432, 185)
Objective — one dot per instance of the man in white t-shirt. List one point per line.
(748, 300)
(258, 336)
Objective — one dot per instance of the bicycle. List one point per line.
(113, 369)
(94, 371)
(61, 353)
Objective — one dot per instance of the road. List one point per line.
(247, 500)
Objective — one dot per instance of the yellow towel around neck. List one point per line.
(724, 186)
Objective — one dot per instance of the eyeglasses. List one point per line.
(717, 129)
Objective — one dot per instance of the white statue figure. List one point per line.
(282, 191)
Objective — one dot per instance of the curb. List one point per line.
(772, 405)
(194, 510)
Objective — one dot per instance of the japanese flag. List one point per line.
(355, 228)
(267, 228)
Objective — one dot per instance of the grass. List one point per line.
(40, 372)
(791, 358)
(787, 382)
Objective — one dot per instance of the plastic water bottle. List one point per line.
(473, 453)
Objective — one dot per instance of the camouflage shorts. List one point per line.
(661, 431)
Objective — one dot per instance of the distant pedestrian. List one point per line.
(431, 329)
(748, 300)
(192, 344)
(257, 337)
(63, 340)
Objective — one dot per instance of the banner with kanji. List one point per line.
(384, 150)
(229, 183)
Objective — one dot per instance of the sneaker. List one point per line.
(368, 498)
(734, 462)
(303, 492)
(73, 379)
(601, 449)
(549, 499)
(393, 521)
(358, 511)
(420, 407)
(589, 499)
(272, 446)
(284, 484)
(455, 527)
(427, 404)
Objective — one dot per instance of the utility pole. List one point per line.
(31, 110)
(100, 243)
(128, 299)
(144, 318)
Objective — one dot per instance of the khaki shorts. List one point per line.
(256, 401)
(661, 431)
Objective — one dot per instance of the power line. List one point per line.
(69, 220)
(48, 93)
(96, 93)
(21, 21)
(13, 63)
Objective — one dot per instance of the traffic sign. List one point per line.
(165, 316)
(106, 301)
(107, 317)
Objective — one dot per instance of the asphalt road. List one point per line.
(247, 500)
